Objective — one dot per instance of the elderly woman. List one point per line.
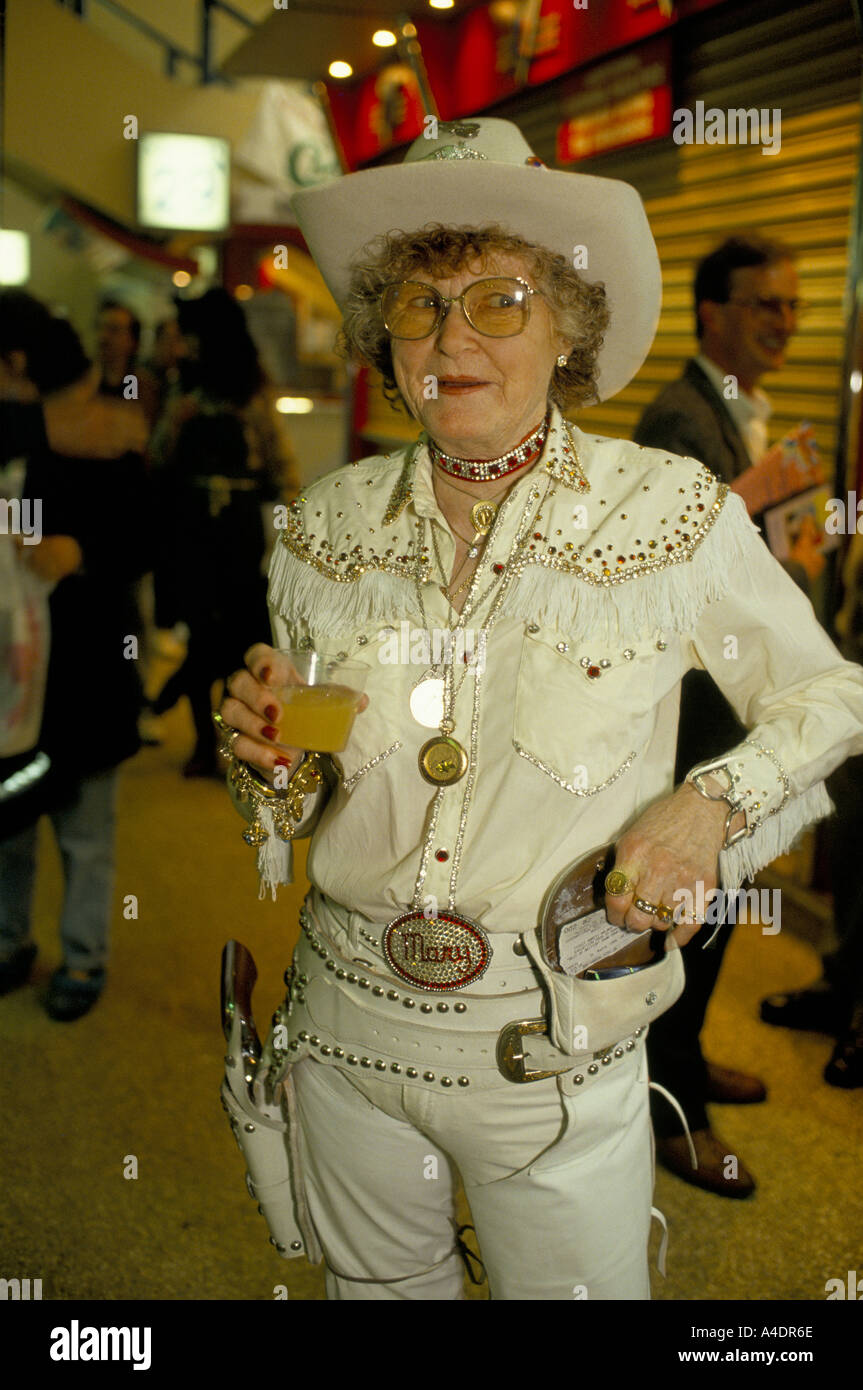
(429, 1025)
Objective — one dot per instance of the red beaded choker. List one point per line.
(485, 470)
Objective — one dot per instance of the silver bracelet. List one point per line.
(735, 807)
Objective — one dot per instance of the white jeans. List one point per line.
(559, 1186)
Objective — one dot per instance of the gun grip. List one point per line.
(239, 974)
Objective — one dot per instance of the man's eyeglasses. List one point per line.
(497, 308)
(772, 305)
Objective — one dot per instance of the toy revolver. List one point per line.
(263, 1116)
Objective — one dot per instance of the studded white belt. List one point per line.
(348, 1012)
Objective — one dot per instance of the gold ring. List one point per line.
(227, 737)
(618, 884)
(665, 914)
(644, 906)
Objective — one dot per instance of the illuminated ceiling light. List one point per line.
(181, 279)
(441, 4)
(856, 382)
(294, 405)
(14, 258)
(243, 292)
(340, 69)
(383, 38)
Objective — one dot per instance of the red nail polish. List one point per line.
(269, 732)
(282, 762)
(271, 712)
(265, 674)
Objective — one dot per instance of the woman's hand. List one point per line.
(53, 558)
(251, 707)
(674, 845)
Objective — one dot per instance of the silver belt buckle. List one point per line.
(510, 1054)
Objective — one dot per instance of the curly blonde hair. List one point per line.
(579, 310)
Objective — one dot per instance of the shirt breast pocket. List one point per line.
(583, 714)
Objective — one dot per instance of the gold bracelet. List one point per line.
(285, 804)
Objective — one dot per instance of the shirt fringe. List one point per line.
(332, 607)
(275, 858)
(776, 835)
(669, 599)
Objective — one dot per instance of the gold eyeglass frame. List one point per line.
(446, 301)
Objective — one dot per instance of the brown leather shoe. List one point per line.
(733, 1087)
(715, 1171)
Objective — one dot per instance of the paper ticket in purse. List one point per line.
(573, 929)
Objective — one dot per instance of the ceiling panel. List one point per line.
(301, 41)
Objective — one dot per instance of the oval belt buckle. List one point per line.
(442, 952)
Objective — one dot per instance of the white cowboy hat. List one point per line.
(474, 172)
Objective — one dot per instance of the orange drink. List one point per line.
(319, 694)
(318, 717)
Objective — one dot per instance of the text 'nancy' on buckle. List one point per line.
(442, 952)
(510, 1053)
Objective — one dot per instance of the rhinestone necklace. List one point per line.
(484, 470)
(466, 760)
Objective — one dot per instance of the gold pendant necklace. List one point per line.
(442, 761)
(482, 516)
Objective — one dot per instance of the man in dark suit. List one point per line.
(746, 303)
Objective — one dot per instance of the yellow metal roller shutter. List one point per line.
(803, 61)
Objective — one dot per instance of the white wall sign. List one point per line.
(184, 182)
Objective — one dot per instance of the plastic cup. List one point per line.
(319, 700)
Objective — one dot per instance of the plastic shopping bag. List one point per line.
(25, 631)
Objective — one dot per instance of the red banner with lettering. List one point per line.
(622, 101)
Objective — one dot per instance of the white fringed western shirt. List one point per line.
(638, 566)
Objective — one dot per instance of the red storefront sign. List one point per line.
(620, 102)
(376, 113)
(490, 53)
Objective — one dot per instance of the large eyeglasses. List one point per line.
(497, 308)
(772, 305)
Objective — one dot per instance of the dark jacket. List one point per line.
(93, 690)
(690, 418)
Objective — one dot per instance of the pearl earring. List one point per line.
(562, 360)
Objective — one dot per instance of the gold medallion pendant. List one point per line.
(482, 514)
(443, 952)
(442, 761)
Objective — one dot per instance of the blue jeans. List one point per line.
(84, 828)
